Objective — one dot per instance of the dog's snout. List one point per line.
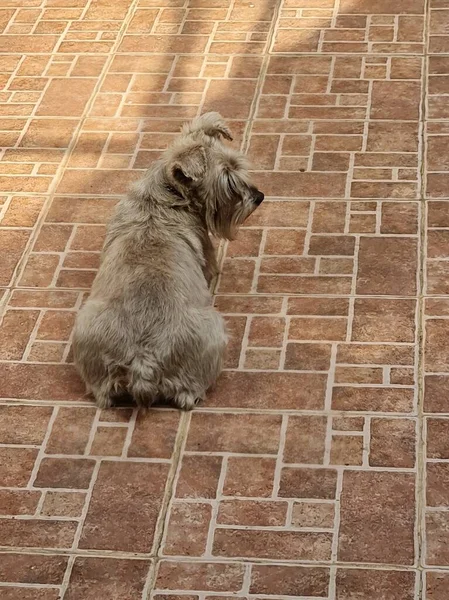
(258, 197)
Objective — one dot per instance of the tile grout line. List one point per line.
(420, 332)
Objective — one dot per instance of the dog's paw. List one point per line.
(186, 401)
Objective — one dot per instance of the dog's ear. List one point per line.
(189, 165)
(211, 123)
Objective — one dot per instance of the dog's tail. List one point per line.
(211, 123)
(143, 377)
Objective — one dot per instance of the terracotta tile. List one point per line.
(381, 506)
(383, 320)
(262, 358)
(436, 348)
(437, 528)
(63, 504)
(276, 545)
(437, 480)
(22, 212)
(360, 583)
(297, 391)
(252, 513)
(33, 568)
(37, 533)
(65, 473)
(308, 483)
(284, 242)
(198, 477)
(16, 466)
(187, 529)
(141, 487)
(305, 439)
(235, 328)
(392, 443)
(154, 435)
(266, 331)
(387, 266)
(436, 585)
(378, 354)
(12, 245)
(209, 577)
(289, 580)
(249, 433)
(23, 424)
(306, 356)
(18, 502)
(372, 399)
(108, 441)
(358, 375)
(118, 578)
(346, 450)
(436, 389)
(70, 431)
(66, 97)
(316, 328)
(313, 514)
(249, 477)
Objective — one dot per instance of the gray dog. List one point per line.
(148, 330)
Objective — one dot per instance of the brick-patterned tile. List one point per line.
(308, 450)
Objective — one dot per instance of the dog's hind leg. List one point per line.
(103, 393)
(187, 400)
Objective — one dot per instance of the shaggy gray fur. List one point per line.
(148, 330)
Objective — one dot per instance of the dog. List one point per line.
(148, 331)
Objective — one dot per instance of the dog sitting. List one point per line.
(148, 330)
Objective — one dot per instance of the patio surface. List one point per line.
(319, 468)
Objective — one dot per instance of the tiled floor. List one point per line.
(320, 466)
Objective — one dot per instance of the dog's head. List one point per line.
(212, 176)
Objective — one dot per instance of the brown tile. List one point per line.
(332, 307)
(308, 483)
(34, 533)
(22, 212)
(436, 390)
(313, 514)
(33, 568)
(437, 438)
(289, 580)
(63, 504)
(262, 358)
(154, 434)
(70, 431)
(12, 245)
(266, 331)
(380, 399)
(346, 450)
(378, 354)
(40, 382)
(16, 466)
(381, 507)
(18, 502)
(387, 266)
(249, 433)
(436, 585)
(436, 345)
(108, 441)
(383, 106)
(208, 577)
(316, 328)
(437, 482)
(198, 477)
(277, 545)
(23, 424)
(382, 320)
(252, 513)
(305, 439)
(116, 578)
(249, 477)
(392, 443)
(315, 357)
(138, 485)
(65, 473)
(66, 97)
(437, 538)
(358, 375)
(187, 529)
(360, 583)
